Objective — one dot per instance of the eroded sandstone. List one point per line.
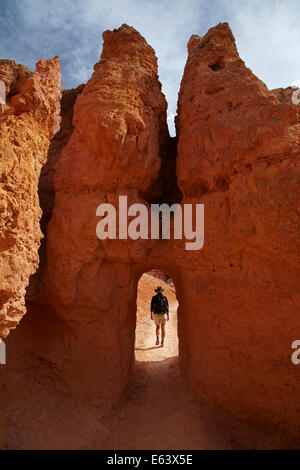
(28, 120)
(238, 153)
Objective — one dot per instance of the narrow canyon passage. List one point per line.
(68, 381)
(159, 413)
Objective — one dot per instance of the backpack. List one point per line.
(160, 304)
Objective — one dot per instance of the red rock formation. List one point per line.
(46, 190)
(238, 153)
(288, 95)
(162, 276)
(14, 76)
(226, 108)
(235, 140)
(28, 120)
(119, 126)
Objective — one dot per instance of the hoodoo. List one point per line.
(238, 147)
(29, 118)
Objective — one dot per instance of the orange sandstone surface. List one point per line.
(237, 152)
(28, 120)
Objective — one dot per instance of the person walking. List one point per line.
(159, 313)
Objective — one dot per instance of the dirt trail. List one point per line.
(159, 413)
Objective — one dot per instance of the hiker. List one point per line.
(159, 313)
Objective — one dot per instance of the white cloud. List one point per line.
(268, 37)
(166, 25)
(267, 34)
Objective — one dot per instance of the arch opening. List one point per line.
(148, 344)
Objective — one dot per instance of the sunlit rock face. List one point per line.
(238, 153)
(120, 136)
(28, 120)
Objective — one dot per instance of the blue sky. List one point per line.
(267, 34)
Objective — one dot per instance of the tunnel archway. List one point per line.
(158, 397)
(145, 334)
(172, 272)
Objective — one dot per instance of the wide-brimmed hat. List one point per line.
(159, 289)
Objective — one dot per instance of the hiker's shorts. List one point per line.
(159, 318)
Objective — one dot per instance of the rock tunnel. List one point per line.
(237, 152)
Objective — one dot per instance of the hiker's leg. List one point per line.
(157, 334)
(163, 332)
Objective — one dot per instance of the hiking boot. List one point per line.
(157, 342)
(162, 343)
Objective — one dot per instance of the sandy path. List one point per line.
(159, 413)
